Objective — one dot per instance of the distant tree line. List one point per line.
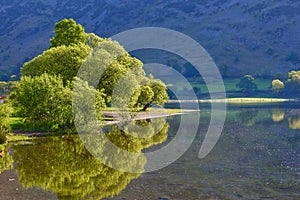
(290, 87)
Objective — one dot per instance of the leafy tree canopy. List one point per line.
(43, 100)
(246, 84)
(62, 60)
(153, 92)
(121, 76)
(88, 100)
(93, 40)
(294, 122)
(105, 62)
(67, 32)
(294, 77)
(277, 85)
(46, 103)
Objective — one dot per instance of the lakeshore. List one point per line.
(238, 100)
(113, 117)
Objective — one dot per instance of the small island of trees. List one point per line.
(43, 96)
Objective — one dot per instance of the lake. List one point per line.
(257, 156)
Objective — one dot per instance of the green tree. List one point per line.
(138, 92)
(87, 99)
(67, 32)
(145, 97)
(292, 85)
(102, 61)
(277, 85)
(93, 40)
(246, 84)
(46, 103)
(62, 60)
(123, 75)
(160, 92)
(117, 64)
(110, 78)
(122, 65)
(125, 93)
(294, 122)
(43, 101)
(153, 92)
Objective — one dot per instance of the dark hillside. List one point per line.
(243, 36)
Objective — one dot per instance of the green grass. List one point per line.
(229, 84)
(263, 84)
(16, 122)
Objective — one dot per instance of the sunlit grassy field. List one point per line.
(229, 83)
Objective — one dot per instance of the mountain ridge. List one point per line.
(243, 37)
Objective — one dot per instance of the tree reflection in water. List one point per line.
(293, 118)
(277, 115)
(247, 117)
(294, 122)
(6, 162)
(65, 167)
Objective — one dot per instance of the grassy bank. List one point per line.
(110, 116)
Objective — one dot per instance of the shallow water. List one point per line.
(257, 156)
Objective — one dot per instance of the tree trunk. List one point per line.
(146, 106)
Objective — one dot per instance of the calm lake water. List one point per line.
(256, 157)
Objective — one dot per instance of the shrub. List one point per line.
(46, 104)
(43, 101)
